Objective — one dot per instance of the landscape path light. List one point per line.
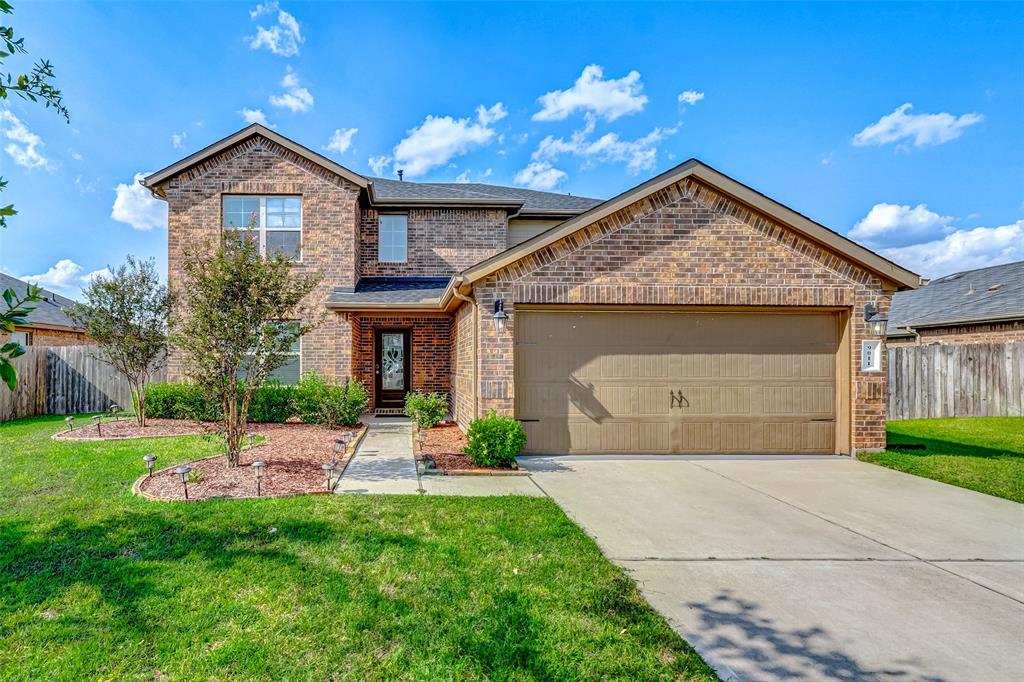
(115, 410)
(258, 468)
(183, 471)
(149, 459)
(71, 423)
(97, 420)
(329, 470)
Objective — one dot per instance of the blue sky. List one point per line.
(900, 125)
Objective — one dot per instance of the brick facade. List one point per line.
(330, 212)
(463, 351)
(51, 337)
(430, 348)
(685, 245)
(994, 332)
(441, 242)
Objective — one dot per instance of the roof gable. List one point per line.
(154, 181)
(727, 186)
(987, 294)
(49, 311)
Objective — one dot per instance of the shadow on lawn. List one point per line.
(732, 629)
(949, 448)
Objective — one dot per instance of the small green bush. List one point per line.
(272, 403)
(495, 441)
(322, 400)
(180, 401)
(426, 409)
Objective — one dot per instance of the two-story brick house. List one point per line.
(688, 314)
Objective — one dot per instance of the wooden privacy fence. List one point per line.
(66, 380)
(974, 380)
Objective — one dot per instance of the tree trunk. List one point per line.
(234, 428)
(138, 391)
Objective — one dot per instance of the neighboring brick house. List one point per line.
(975, 306)
(688, 314)
(48, 324)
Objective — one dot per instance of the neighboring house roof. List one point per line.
(745, 195)
(390, 292)
(385, 192)
(49, 312)
(970, 297)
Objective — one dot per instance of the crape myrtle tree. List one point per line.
(236, 317)
(125, 313)
(35, 85)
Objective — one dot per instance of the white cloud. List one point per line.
(254, 116)
(137, 207)
(341, 140)
(897, 225)
(25, 147)
(178, 140)
(296, 98)
(962, 250)
(283, 38)
(378, 164)
(65, 277)
(463, 177)
(84, 186)
(439, 139)
(591, 92)
(638, 155)
(75, 155)
(690, 97)
(922, 129)
(540, 175)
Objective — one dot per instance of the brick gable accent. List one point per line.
(686, 244)
(329, 216)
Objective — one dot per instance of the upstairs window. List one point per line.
(276, 222)
(393, 241)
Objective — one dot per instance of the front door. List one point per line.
(391, 367)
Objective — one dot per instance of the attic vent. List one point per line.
(995, 287)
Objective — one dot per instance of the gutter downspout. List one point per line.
(476, 341)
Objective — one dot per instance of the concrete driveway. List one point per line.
(810, 568)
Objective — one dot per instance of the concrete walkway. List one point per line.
(810, 569)
(384, 464)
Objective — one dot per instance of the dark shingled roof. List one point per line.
(532, 200)
(392, 290)
(50, 311)
(962, 298)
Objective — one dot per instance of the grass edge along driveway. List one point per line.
(98, 584)
(985, 454)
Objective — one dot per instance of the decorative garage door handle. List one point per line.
(677, 400)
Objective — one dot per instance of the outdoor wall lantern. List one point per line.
(876, 323)
(71, 423)
(258, 468)
(183, 471)
(97, 419)
(499, 317)
(149, 459)
(329, 470)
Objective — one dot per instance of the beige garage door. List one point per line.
(596, 382)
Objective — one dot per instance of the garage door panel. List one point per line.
(683, 382)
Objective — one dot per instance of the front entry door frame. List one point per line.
(391, 397)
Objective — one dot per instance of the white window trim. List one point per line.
(263, 219)
(298, 353)
(380, 232)
(876, 365)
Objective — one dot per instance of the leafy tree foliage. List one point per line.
(237, 316)
(125, 313)
(35, 86)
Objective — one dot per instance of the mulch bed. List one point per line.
(294, 454)
(444, 444)
(85, 429)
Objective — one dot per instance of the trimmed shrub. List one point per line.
(494, 441)
(272, 403)
(180, 401)
(322, 400)
(426, 409)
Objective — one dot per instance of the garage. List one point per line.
(680, 382)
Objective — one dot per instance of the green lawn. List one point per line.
(98, 584)
(981, 453)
